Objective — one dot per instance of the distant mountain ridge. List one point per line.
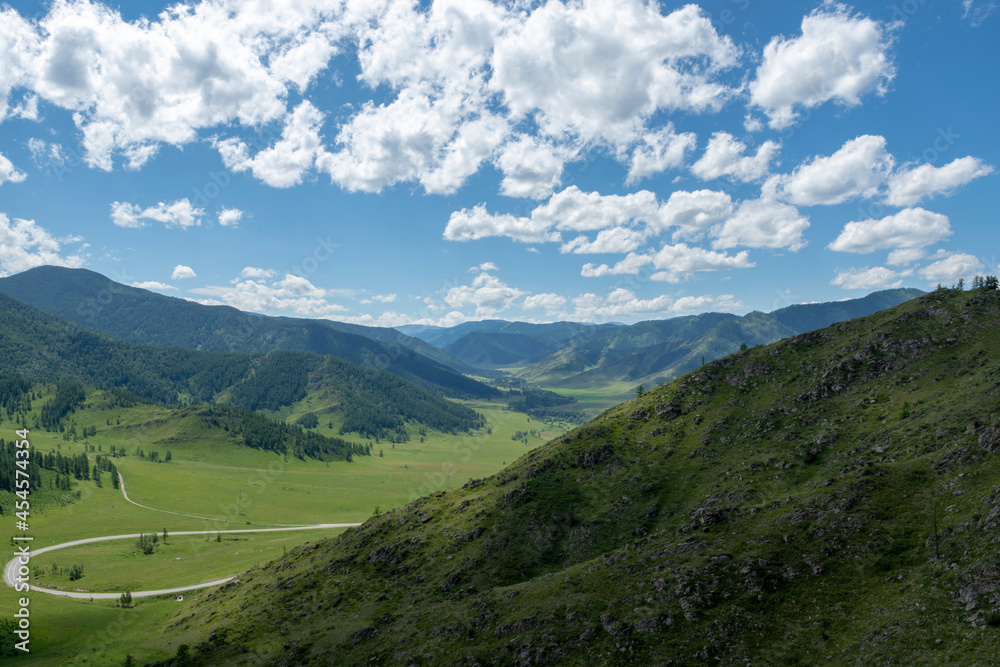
(570, 355)
(140, 316)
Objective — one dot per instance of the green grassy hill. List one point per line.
(831, 498)
(140, 316)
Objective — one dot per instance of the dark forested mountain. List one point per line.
(496, 349)
(140, 316)
(395, 338)
(37, 345)
(830, 498)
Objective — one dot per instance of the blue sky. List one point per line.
(436, 162)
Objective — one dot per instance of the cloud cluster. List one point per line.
(489, 296)
(133, 86)
(25, 245)
(256, 291)
(838, 57)
(8, 172)
(463, 80)
(180, 213)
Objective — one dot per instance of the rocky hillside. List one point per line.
(831, 498)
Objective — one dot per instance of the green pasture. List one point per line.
(211, 476)
(180, 560)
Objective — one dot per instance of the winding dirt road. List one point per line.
(10, 571)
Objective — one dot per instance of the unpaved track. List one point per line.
(10, 571)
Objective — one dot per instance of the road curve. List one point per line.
(10, 571)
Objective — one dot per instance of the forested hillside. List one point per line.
(39, 346)
(140, 316)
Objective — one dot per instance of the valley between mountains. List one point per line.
(815, 484)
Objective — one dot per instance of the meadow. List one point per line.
(211, 483)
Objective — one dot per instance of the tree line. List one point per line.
(257, 431)
(68, 397)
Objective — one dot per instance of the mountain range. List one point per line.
(140, 316)
(570, 355)
(560, 355)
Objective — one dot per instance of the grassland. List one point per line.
(231, 486)
(118, 565)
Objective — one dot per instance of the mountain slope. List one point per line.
(140, 316)
(554, 335)
(480, 348)
(37, 345)
(809, 316)
(831, 498)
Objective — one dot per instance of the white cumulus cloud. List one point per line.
(180, 213)
(550, 302)
(762, 223)
(658, 151)
(230, 217)
(256, 272)
(858, 169)
(10, 173)
(25, 245)
(614, 240)
(838, 57)
(478, 223)
(907, 187)
(292, 295)
(596, 69)
(878, 277)
(487, 294)
(910, 228)
(724, 156)
(531, 168)
(951, 267)
(673, 263)
(181, 272)
(286, 162)
(153, 285)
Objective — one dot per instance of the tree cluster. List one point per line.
(985, 283)
(68, 397)
(260, 432)
(15, 395)
(8, 467)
